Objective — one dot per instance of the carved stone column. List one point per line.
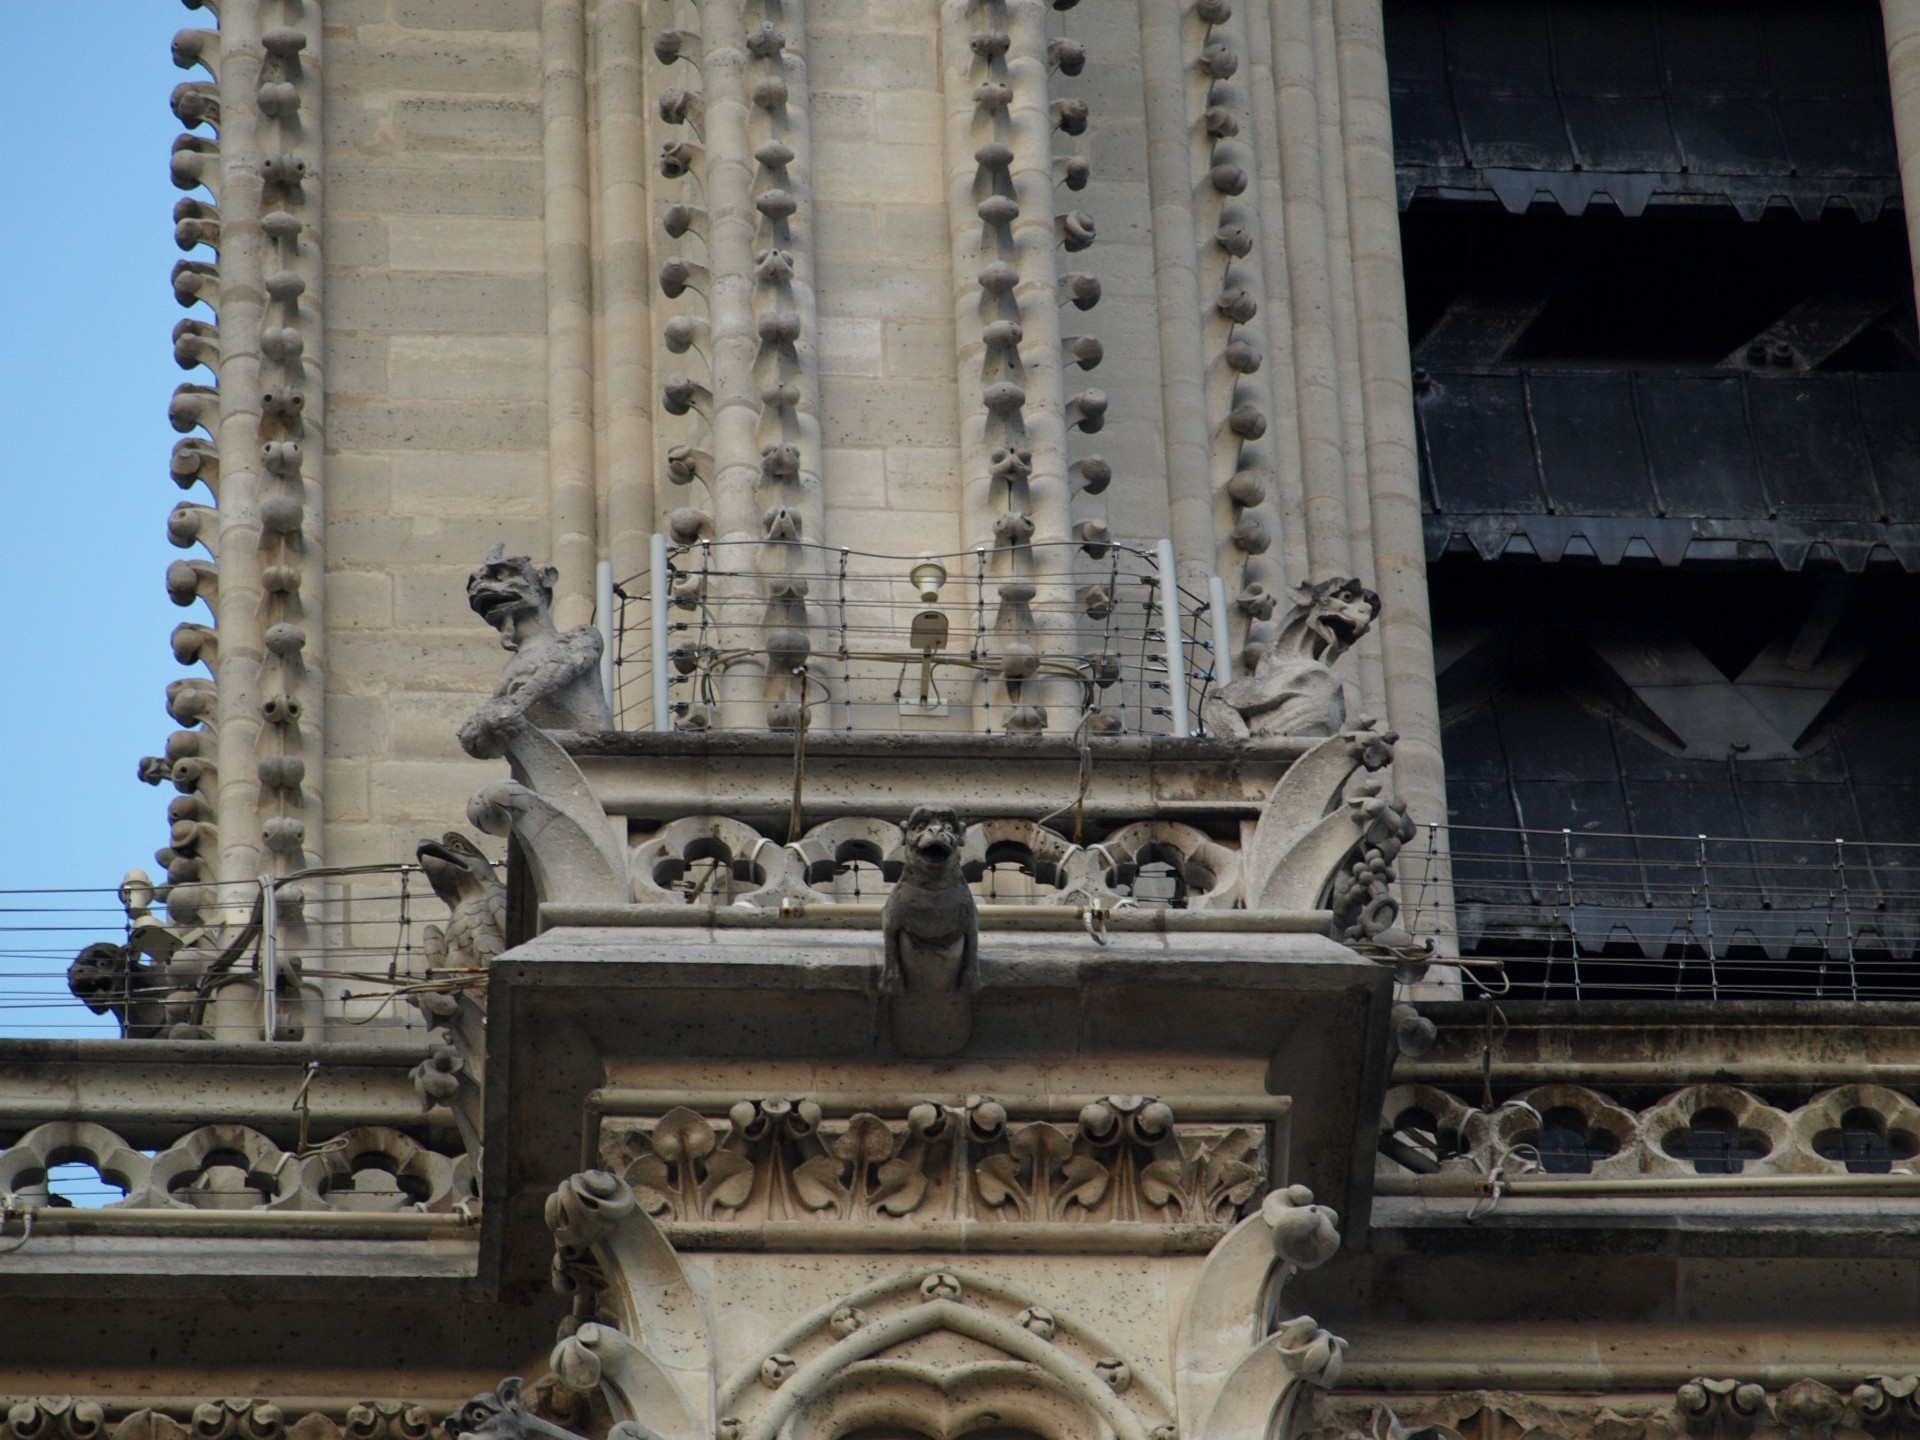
(995, 60)
(625, 398)
(571, 501)
(261, 756)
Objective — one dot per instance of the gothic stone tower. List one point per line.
(957, 490)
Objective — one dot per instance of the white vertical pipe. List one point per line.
(657, 601)
(243, 257)
(1309, 282)
(737, 598)
(603, 621)
(1222, 640)
(624, 297)
(1170, 629)
(269, 959)
(572, 501)
(1177, 287)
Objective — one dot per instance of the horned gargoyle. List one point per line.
(553, 680)
(1293, 690)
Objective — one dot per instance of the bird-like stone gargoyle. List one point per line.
(475, 931)
(931, 932)
(553, 680)
(1293, 690)
(108, 976)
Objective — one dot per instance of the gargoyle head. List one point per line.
(509, 589)
(1336, 613)
(98, 974)
(455, 867)
(934, 835)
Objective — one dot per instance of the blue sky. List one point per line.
(87, 372)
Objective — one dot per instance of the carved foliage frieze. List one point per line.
(65, 1417)
(1122, 1158)
(1875, 1407)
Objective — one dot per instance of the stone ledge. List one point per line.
(1294, 1015)
(750, 776)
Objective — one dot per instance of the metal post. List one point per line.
(1573, 918)
(1846, 917)
(1222, 636)
(603, 621)
(657, 599)
(1170, 628)
(269, 959)
(1706, 909)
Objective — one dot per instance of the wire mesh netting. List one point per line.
(916, 643)
(1546, 914)
(1609, 915)
(77, 963)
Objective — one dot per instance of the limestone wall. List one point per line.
(496, 189)
(436, 349)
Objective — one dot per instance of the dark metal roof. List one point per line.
(1672, 466)
(1527, 761)
(1642, 100)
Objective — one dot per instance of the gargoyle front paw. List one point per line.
(485, 734)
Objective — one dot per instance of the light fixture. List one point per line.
(927, 577)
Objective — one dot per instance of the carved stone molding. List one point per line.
(1119, 1160)
(1329, 835)
(1237, 1380)
(637, 1339)
(884, 1354)
(864, 1359)
(1338, 855)
(66, 1417)
(1875, 1407)
(1705, 1129)
(550, 1411)
(232, 1167)
(1327, 838)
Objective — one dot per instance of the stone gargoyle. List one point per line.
(1293, 690)
(465, 881)
(553, 680)
(931, 933)
(476, 901)
(551, 683)
(110, 977)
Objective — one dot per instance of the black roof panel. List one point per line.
(1640, 99)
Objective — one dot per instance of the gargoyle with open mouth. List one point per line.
(1293, 690)
(553, 680)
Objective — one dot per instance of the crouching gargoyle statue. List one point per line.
(553, 680)
(931, 931)
(1293, 690)
(475, 931)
